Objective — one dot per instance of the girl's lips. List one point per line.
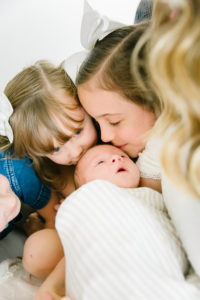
(121, 146)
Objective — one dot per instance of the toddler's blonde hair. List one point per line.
(36, 94)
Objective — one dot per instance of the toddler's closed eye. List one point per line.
(56, 150)
(78, 132)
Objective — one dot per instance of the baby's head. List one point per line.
(108, 163)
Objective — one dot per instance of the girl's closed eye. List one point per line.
(78, 132)
(100, 162)
(114, 123)
(56, 150)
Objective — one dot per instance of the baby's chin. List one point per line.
(126, 182)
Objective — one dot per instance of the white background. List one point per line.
(47, 29)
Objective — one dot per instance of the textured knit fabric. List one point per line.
(149, 160)
(120, 244)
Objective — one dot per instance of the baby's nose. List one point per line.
(116, 158)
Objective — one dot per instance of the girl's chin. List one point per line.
(134, 153)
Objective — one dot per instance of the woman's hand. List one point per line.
(10, 204)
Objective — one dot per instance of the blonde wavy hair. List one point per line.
(38, 96)
(172, 46)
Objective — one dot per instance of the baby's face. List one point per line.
(109, 163)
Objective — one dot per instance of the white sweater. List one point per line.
(185, 213)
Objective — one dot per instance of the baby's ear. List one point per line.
(72, 64)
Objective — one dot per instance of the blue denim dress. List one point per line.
(144, 11)
(25, 184)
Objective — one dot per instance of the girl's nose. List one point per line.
(116, 158)
(106, 135)
(76, 151)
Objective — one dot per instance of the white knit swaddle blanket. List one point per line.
(120, 244)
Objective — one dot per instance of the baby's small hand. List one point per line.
(56, 207)
(33, 223)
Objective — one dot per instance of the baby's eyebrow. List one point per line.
(96, 159)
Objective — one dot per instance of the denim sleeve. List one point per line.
(35, 193)
(24, 181)
(144, 11)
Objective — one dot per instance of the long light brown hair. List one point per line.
(109, 63)
(34, 95)
(173, 62)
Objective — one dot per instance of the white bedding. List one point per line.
(120, 244)
(15, 282)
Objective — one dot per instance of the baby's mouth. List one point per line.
(120, 170)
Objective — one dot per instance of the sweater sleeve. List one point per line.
(149, 160)
(185, 213)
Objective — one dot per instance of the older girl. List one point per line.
(124, 111)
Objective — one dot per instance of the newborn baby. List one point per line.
(118, 240)
(108, 163)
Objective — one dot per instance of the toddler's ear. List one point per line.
(72, 64)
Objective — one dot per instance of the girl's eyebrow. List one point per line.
(108, 114)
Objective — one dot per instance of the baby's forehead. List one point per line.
(100, 150)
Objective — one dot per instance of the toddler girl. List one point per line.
(51, 130)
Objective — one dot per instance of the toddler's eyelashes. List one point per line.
(56, 150)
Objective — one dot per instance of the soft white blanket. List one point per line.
(15, 282)
(120, 244)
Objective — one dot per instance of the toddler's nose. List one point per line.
(77, 151)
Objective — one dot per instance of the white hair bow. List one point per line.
(6, 111)
(95, 27)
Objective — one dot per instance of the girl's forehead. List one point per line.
(99, 102)
(71, 119)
